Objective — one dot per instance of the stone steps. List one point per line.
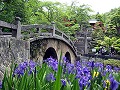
(79, 43)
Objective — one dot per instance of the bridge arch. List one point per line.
(42, 45)
(68, 57)
(50, 52)
(46, 47)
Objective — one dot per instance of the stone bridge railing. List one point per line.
(15, 28)
(50, 30)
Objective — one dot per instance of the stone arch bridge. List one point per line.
(36, 42)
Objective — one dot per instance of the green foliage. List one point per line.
(66, 17)
(13, 8)
(98, 34)
(115, 19)
(111, 31)
(109, 37)
(38, 11)
(112, 62)
(99, 17)
(108, 42)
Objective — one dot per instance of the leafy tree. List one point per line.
(99, 17)
(11, 8)
(111, 24)
(115, 19)
(74, 15)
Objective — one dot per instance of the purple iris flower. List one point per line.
(89, 76)
(63, 82)
(91, 64)
(86, 70)
(116, 69)
(78, 69)
(18, 71)
(104, 83)
(78, 64)
(103, 73)
(84, 81)
(53, 64)
(100, 67)
(113, 83)
(98, 64)
(0, 84)
(23, 65)
(32, 66)
(64, 59)
(79, 74)
(50, 77)
(108, 68)
(70, 68)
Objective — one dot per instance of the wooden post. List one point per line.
(17, 33)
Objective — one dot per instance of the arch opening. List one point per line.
(68, 57)
(50, 52)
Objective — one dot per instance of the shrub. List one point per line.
(112, 62)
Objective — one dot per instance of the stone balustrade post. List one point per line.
(1, 31)
(17, 33)
(69, 37)
(53, 33)
(62, 34)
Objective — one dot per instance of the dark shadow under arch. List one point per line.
(50, 52)
(68, 57)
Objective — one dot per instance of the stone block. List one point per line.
(12, 50)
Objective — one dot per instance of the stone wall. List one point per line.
(12, 49)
